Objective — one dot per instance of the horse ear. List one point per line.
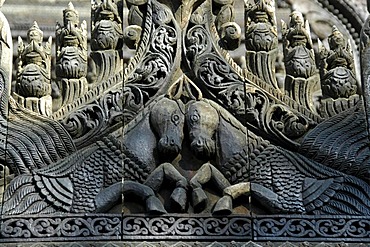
(181, 106)
(184, 87)
(188, 104)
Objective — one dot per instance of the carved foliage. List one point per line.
(96, 118)
(84, 227)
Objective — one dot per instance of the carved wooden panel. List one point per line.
(198, 120)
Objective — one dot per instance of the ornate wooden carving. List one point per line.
(180, 143)
(33, 86)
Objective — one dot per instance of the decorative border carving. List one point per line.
(311, 228)
(61, 227)
(182, 227)
(185, 227)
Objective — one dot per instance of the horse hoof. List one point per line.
(179, 199)
(224, 206)
(200, 199)
(154, 206)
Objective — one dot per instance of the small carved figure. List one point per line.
(106, 41)
(298, 48)
(70, 34)
(228, 29)
(107, 30)
(261, 30)
(301, 78)
(337, 70)
(33, 72)
(71, 49)
(262, 40)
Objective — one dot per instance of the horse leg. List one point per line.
(206, 173)
(224, 204)
(111, 195)
(168, 171)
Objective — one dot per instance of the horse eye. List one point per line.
(175, 118)
(194, 118)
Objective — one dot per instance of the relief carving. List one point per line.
(181, 137)
(262, 40)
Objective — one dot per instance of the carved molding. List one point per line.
(238, 229)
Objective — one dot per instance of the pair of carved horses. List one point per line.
(167, 121)
(91, 179)
(242, 162)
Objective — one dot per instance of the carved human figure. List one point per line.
(301, 79)
(298, 48)
(71, 51)
(261, 40)
(106, 41)
(261, 31)
(337, 67)
(107, 30)
(71, 45)
(33, 72)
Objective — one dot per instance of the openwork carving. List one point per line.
(180, 142)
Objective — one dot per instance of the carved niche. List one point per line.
(180, 142)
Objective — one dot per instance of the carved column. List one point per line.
(261, 40)
(71, 51)
(33, 86)
(299, 58)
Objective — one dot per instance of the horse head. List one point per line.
(167, 120)
(202, 121)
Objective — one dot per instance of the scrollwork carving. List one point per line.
(96, 118)
(79, 227)
(286, 124)
(182, 131)
(184, 227)
(162, 46)
(309, 228)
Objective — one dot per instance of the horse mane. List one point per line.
(224, 114)
(141, 115)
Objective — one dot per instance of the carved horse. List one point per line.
(283, 181)
(238, 160)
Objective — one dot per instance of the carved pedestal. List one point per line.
(107, 64)
(262, 64)
(72, 89)
(41, 105)
(301, 90)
